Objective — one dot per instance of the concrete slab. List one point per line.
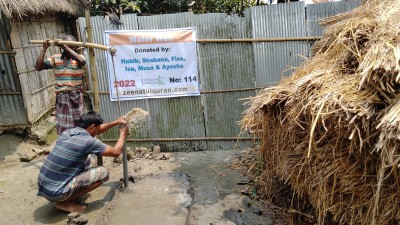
(155, 199)
(45, 132)
(217, 197)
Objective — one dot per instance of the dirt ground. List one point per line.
(216, 199)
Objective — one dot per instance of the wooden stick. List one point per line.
(183, 139)
(300, 213)
(259, 39)
(76, 43)
(11, 52)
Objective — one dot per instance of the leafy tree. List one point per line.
(132, 6)
(143, 7)
(222, 6)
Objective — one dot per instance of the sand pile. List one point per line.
(331, 131)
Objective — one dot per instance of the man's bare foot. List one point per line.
(71, 207)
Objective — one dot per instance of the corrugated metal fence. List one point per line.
(12, 110)
(229, 71)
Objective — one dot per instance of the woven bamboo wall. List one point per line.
(37, 87)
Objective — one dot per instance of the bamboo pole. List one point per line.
(186, 139)
(93, 71)
(204, 92)
(8, 52)
(11, 93)
(77, 43)
(312, 38)
(113, 50)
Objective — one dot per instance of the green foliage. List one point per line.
(166, 6)
(222, 6)
(146, 7)
(131, 6)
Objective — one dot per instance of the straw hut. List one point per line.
(26, 95)
(331, 131)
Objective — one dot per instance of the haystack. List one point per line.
(331, 131)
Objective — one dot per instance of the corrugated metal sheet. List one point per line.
(166, 117)
(165, 21)
(274, 60)
(229, 73)
(315, 12)
(12, 110)
(225, 67)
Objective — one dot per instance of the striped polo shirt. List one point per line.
(68, 73)
(66, 160)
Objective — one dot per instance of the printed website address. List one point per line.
(155, 91)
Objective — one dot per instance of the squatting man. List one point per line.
(65, 174)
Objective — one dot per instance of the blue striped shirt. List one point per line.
(66, 160)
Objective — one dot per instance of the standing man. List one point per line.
(68, 70)
(65, 174)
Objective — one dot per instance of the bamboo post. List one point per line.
(93, 72)
(76, 43)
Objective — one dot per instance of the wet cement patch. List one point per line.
(151, 199)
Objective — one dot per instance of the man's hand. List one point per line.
(39, 64)
(57, 44)
(46, 44)
(121, 121)
(117, 149)
(124, 130)
(105, 126)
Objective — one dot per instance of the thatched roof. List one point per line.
(20, 8)
(332, 130)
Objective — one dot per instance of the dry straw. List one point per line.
(331, 131)
(19, 8)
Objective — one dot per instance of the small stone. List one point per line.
(41, 142)
(222, 222)
(38, 151)
(143, 149)
(46, 151)
(164, 156)
(80, 220)
(117, 159)
(156, 149)
(28, 156)
(259, 213)
(20, 131)
(73, 215)
(131, 155)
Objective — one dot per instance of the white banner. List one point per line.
(152, 63)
